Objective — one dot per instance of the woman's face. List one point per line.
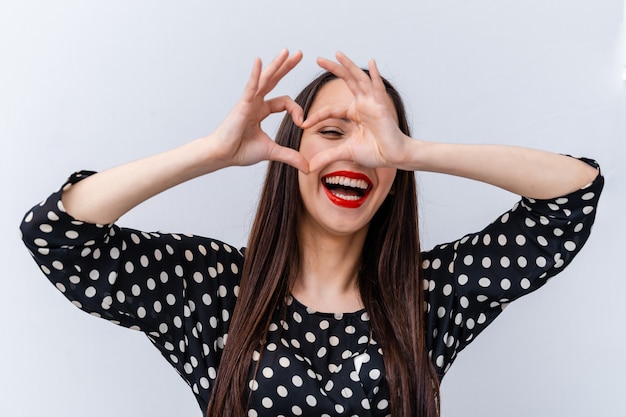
(340, 198)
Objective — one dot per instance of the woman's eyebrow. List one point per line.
(342, 119)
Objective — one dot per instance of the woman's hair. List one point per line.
(390, 282)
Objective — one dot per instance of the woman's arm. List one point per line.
(378, 142)
(239, 140)
(528, 172)
(179, 289)
(470, 281)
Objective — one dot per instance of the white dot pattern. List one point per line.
(180, 290)
(535, 240)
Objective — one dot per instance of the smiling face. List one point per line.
(342, 197)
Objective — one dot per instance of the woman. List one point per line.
(331, 309)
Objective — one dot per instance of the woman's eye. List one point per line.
(330, 132)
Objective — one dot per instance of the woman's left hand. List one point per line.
(377, 141)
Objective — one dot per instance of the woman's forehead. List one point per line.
(333, 93)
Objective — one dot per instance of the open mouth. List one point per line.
(346, 188)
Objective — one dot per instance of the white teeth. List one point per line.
(347, 182)
(346, 197)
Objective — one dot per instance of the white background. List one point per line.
(94, 84)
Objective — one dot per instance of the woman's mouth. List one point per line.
(346, 188)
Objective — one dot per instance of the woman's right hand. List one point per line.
(240, 140)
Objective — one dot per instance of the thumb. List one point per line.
(323, 158)
(288, 156)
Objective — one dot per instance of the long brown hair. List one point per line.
(390, 281)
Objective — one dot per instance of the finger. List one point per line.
(278, 61)
(323, 114)
(363, 81)
(285, 68)
(377, 80)
(253, 82)
(381, 88)
(351, 67)
(325, 158)
(286, 103)
(271, 69)
(333, 67)
(278, 69)
(288, 156)
(344, 73)
(341, 72)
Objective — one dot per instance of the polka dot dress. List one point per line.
(181, 290)
(318, 364)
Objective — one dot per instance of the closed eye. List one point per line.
(330, 132)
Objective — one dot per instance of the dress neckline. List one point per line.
(360, 314)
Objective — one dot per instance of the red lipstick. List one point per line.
(347, 189)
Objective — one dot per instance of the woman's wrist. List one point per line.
(416, 155)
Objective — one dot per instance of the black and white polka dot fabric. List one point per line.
(180, 290)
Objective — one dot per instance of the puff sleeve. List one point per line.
(180, 290)
(470, 281)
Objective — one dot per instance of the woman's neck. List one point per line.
(327, 279)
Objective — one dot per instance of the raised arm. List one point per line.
(239, 140)
(528, 172)
(377, 141)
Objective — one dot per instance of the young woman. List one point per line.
(331, 309)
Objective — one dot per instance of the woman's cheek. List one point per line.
(310, 147)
